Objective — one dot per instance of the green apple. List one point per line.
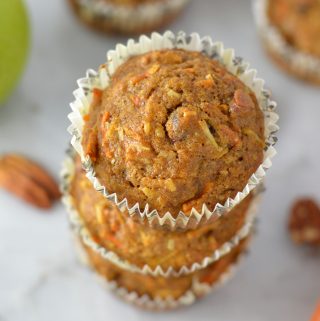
(14, 43)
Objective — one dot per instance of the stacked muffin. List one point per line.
(174, 146)
(127, 16)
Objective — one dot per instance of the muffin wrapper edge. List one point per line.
(215, 50)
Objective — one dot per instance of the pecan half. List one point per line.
(304, 222)
(242, 102)
(28, 181)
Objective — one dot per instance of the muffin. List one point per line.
(176, 133)
(290, 31)
(127, 16)
(174, 130)
(159, 288)
(138, 246)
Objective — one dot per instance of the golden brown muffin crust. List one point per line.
(174, 129)
(299, 23)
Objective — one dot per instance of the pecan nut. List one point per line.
(304, 222)
(28, 181)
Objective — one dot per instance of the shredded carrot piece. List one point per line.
(86, 117)
(113, 240)
(206, 83)
(191, 70)
(97, 94)
(108, 153)
(209, 279)
(187, 206)
(104, 119)
(95, 238)
(91, 148)
(136, 100)
(136, 79)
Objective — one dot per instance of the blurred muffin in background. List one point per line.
(299, 22)
(291, 33)
(127, 16)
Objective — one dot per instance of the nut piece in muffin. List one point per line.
(298, 24)
(127, 16)
(141, 245)
(174, 129)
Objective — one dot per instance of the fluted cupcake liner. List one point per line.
(215, 50)
(299, 63)
(80, 229)
(129, 19)
(198, 289)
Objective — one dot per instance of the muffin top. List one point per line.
(299, 23)
(174, 129)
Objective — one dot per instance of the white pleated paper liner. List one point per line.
(198, 289)
(79, 228)
(129, 18)
(215, 50)
(302, 63)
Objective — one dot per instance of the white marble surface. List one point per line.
(39, 275)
